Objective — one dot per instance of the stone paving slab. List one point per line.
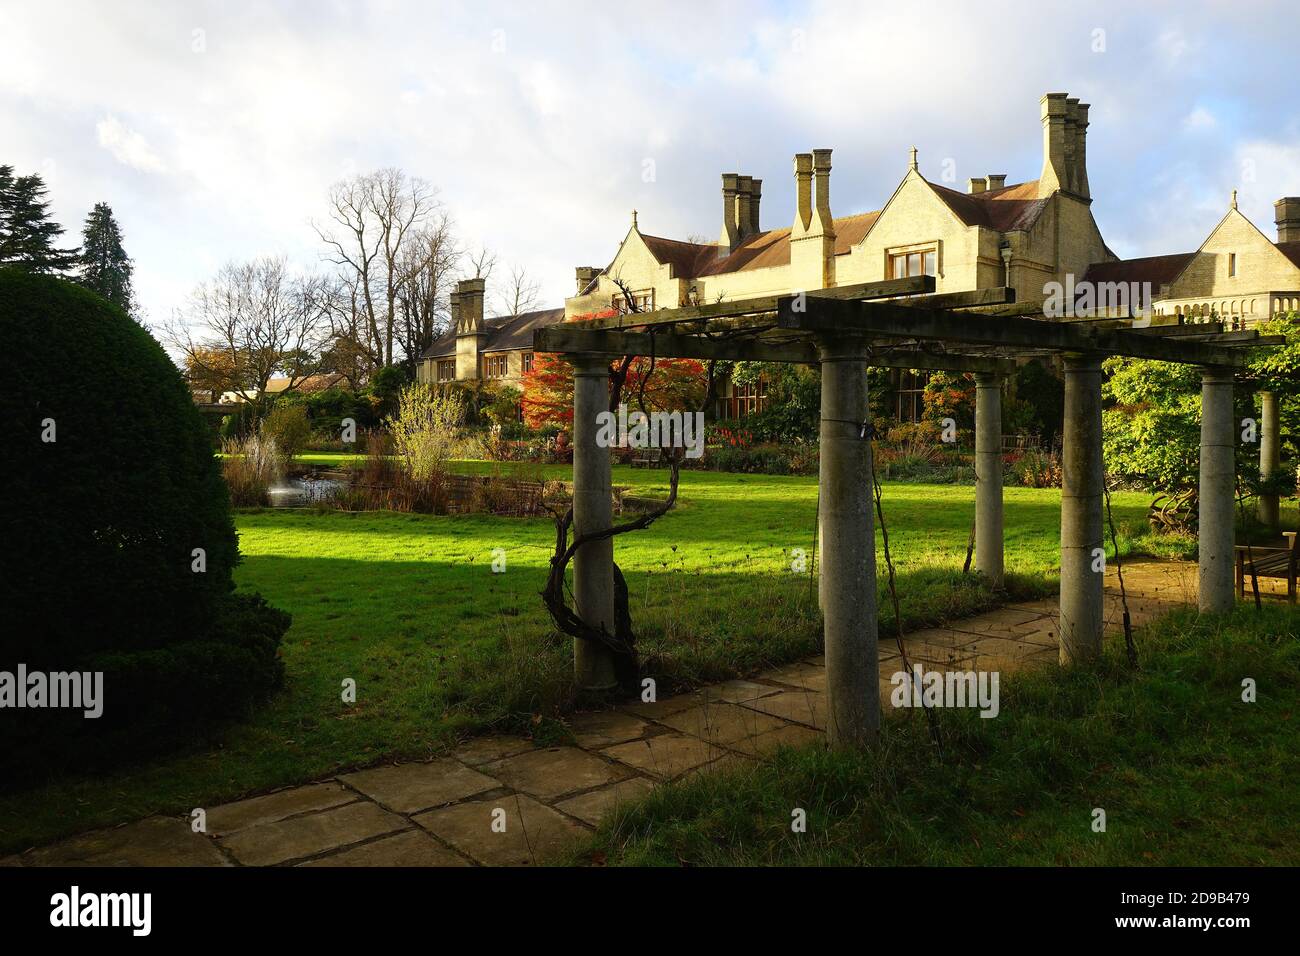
(232, 817)
(487, 749)
(721, 723)
(789, 735)
(737, 691)
(593, 807)
(533, 831)
(800, 706)
(808, 676)
(409, 848)
(554, 772)
(665, 756)
(301, 837)
(606, 728)
(661, 708)
(154, 841)
(412, 787)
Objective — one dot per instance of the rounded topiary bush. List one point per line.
(113, 501)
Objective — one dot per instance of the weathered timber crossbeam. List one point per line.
(889, 318)
(563, 338)
(913, 285)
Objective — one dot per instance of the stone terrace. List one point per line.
(441, 812)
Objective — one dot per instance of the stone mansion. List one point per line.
(1024, 235)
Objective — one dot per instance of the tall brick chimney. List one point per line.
(469, 327)
(729, 238)
(1081, 151)
(755, 197)
(1286, 213)
(744, 193)
(822, 171)
(1055, 174)
(803, 170)
(585, 275)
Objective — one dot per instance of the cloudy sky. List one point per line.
(215, 129)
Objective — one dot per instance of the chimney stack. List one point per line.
(585, 275)
(755, 197)
(1286, 213)
(744, 188)
(1055, 174)
(822, 171)
(1072, 143)
(453, 305)
(729, 238)
(1081, 152)
(974, 185)
(471, 306)
(997, 180)
(803, 170)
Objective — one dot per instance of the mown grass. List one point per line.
(440, 647)
(1187, 773)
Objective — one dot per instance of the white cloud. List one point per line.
(1199, 119)
(127, 146)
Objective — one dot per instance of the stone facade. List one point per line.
(1024, 235)
(498, 349)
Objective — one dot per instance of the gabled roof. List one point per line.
(1158, 270)
(762, 250)
(504, 332)
(1009, 209)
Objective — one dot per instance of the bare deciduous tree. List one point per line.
(519, 294)
(373, 218)
(483, 263)
(429, 261)
(250, 322)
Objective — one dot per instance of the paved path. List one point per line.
(501, 801)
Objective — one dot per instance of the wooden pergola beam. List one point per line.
(562, 338)
(914, 285)
(1011, 332)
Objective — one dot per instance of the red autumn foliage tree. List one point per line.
(672, 385)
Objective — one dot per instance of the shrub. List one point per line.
(288, 427)
(103, 520)
(425, 428)
(205, 681)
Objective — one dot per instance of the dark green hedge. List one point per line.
(100, 525)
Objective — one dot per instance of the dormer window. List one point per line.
(921, 262)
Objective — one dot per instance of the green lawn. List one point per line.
(440, 647)
(1187, 773)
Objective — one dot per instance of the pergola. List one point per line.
(901, 323)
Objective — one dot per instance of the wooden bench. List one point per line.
(647, 457)
(1270, 563)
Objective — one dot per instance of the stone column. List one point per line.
(1270, 457)
(848, 550)
(593, 564)
(1082, 488)
(1217, 491)
(988, 477)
